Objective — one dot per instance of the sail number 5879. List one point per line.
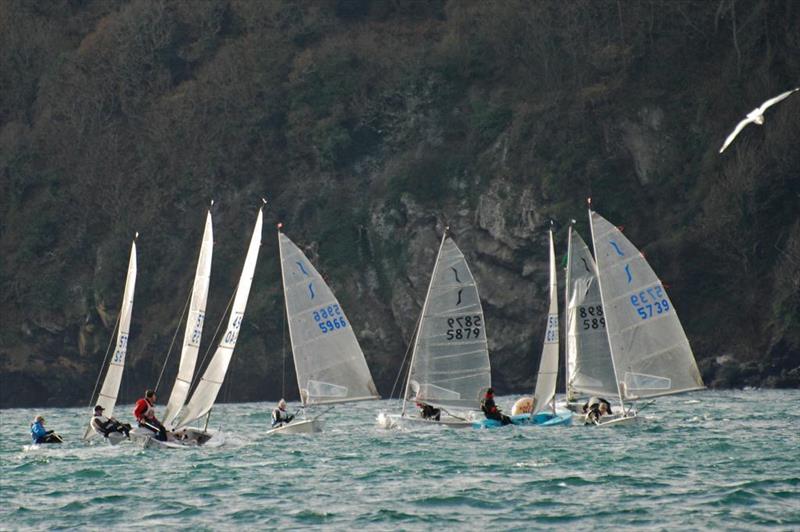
(463, 328)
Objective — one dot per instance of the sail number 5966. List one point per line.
(329, 318)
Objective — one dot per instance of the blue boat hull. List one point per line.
(542, 419)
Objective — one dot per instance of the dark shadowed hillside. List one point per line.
(370, 125)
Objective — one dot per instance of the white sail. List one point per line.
(649, 348)
(194, 326)
(329, 363)
(108, 393)
(545, 389)
(450, 362)
(206, 393)
(589, 367)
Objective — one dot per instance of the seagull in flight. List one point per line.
(756, 115)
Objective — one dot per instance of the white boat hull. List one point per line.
(304, 426)
(391, 421)
(181, 439)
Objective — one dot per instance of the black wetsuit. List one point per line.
(592, 409)
(491, 411)
(110, 425)
(429, 412)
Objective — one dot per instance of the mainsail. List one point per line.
(329, 363)
(545, 389)
(206, 393)
(589, 367)
(194, 326)
(108, 393)
(649, 348)
(450, 362)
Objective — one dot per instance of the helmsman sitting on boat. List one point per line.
(595, 408)
(490, 409)
(41, 435)
(280, 416)
(107, 425)
(145, 414)
(426, 411)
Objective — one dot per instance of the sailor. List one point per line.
(426, 411)
(41, 435)
(490, 409)
(106, 425)
(145, 415)
(595, 408)
(280, 416)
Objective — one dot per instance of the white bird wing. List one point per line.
(776, 99)
(736, 131)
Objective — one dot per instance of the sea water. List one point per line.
(707, 460)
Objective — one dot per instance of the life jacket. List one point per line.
(38, 432)
(488, 406)
(279, 416)
(144, 410)
(99, 422)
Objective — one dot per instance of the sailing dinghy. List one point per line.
(589, 370)
(192, 334)
(328, 360)
(543, 411)
(205, 394)
(449, 369)
(107, 397)
(650, 353)
(194, 326)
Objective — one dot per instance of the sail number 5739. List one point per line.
(650, 302)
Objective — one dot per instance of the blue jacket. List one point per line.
(38, 432)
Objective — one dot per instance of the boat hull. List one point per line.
(542, 419)
(389, 421)
(615, 421)
(188, 437)
(305, 426)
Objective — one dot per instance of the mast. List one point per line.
(286, 312)
(422, 315)
(567, 278)
(602, 301)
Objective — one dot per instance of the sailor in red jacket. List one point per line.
(490, 409)
(145, 414)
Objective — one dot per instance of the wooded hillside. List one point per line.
(371, 124)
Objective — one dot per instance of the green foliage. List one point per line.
(488, 121)
(117, 117)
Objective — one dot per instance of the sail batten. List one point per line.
(107, 397)
(649, 349)
(329, 362)
(205, 395)
(450, 360)
(194, 326)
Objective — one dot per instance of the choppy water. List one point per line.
(705, 460)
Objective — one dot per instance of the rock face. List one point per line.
(648, 144)
(370, 134)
